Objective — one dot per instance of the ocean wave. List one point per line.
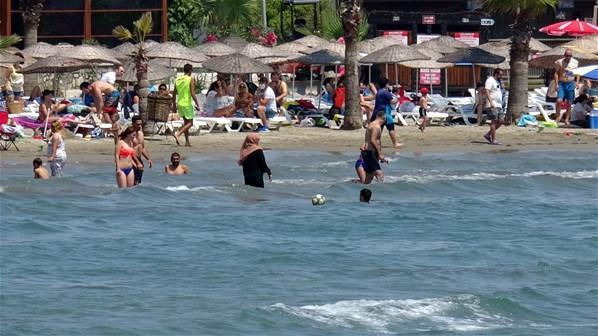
(460, 313)
(300, 182)
(186, 188)
(426, 178)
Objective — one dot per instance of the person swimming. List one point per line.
(176, 167)
(365, 195)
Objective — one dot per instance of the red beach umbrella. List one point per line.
(571, 28)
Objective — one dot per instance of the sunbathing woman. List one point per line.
(48, 108)
(125, 158)
(244, 101)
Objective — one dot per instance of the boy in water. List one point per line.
(175, 167)
(372, 153)
(39, 172)
(365, 195)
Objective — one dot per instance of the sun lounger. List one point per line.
(214, 124)
(7, 134)
(238, 124)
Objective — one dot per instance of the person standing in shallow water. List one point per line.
(253, 161)
(176, 167)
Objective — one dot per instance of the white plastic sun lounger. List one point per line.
(213, 124)
(250, 123)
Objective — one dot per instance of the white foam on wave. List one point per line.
(2, 189)
(301, 182)
(426, 178)
(379, 315)
(335, 163)
(185, 188)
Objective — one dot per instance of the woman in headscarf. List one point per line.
(253, 161)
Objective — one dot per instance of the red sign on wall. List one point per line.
(401, 35)
(429, 76)
(471, 39)
(429, 19)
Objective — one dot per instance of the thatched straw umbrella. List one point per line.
(255, 50)
(432, 63)
(214, 49)
(90, 54)
(236, 64)
(588, 44)
(126, 48)
(175, 51)
(312, 41)
(321, 57)
(376, 43)
(235, 42)
(40, 50)
(548, 58)
(155, 71)
(443, 44)
(474, 56)
(394, 54)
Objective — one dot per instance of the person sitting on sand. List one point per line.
(39, 172)
(365, 195)
(176, 167)
(253, 161)
(107, 105)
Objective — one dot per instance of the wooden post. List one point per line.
(164, 17)
(87, 20)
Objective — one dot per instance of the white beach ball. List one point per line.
(318, 200)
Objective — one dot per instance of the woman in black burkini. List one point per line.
(253, 161)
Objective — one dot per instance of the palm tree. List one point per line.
(143, 27)
(525, 12)
(351, 19)
(31, 10)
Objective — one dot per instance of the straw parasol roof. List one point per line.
(155, 71)
(443, 45)
(175, 51)
(41, 50)
(278, 59)
(534, 44)
(588, 44)
(55, 64)
(336, 47)
(312, 41)
(214, 49)
(90, 53)
(500, 48)
(255, 50)
(294, 48)
(394, 54)
(235, 42)
(547, 58)
(432, 63)
(236, 64)
(8, 58)
(472, 55)
(126, 48)
(63, 46)
(376, 43)
(321, 57)
(175, 63)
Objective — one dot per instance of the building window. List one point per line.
(102, 23)
(126, 4)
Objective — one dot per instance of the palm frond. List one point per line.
(144, 25)
(122, 33)
(7, 41)
(533, 8)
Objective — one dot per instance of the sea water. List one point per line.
(451, 244)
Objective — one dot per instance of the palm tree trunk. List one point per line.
(31, 13)
(351, 20)
(148, 127)
(518, 77)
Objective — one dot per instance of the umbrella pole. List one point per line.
(396, 74)
(473, 75)
(445, 82)
(48, 115)
(369, 74)
(386, 74)
(294, 73)
(417, 80)
(320, 88)
(311, 76)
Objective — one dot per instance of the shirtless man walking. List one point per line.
(176, 167)
(563, 75)
(106, 106)
(372, 153)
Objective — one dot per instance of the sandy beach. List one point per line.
(436, 139)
